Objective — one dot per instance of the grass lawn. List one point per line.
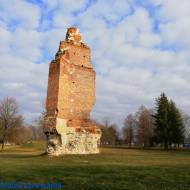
(112, 169)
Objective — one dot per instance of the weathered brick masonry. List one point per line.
(70, 97)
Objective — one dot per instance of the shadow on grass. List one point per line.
(10, 155)
(146, 148)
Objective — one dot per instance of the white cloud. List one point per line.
(70, 5)
(175, 29)
(25, 81)
(27, 44)
(19, 14)
(112, 11)
(5, 40)
(60, 20)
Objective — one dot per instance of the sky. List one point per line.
(139, 48)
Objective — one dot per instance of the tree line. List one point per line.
(164, 126)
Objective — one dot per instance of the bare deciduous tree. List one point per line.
(109, 132)
(186, 123)
(37, 129)
(129, 128)
(145, 126)
(20, 134)
(9, 118)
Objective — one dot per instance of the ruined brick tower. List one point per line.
(70, 97)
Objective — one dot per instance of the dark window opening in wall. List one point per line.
(56, 111)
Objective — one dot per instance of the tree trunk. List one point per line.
(4, 136)
(130, 144)
(2, 146)
(166, 146)
(3, 143)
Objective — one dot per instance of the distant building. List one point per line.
(187, 142)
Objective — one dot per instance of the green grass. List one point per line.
(113, 169)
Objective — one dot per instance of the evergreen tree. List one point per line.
(168, 121)
(161, 132)
(176, 124)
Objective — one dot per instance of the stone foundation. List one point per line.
(71, 140)
(77, 143)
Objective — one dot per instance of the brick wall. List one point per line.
(71, 84)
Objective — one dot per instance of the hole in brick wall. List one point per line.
(73, 82)
(82, 66)
(56, 111)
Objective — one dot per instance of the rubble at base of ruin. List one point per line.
(70, 98)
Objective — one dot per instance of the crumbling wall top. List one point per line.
(73, 35)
